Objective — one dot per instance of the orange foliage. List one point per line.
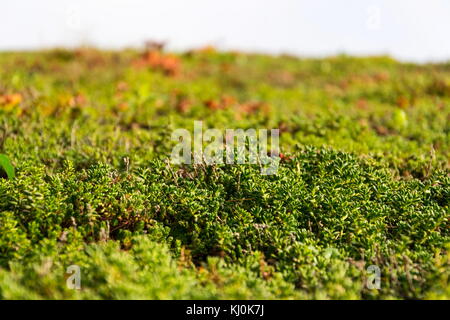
(253, 107)
(224, 103)
(361, 104)
(403, 102)
(284, 157)
(183, 106)
(8, 102)
(77, 100)
(11, 99)
(156, 60)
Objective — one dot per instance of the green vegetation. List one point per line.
(363, 180)
(6, 168)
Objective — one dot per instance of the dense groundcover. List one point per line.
(363, 179)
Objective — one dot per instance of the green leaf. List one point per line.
(400, 119)
(6, 165)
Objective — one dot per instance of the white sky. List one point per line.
(413, 30)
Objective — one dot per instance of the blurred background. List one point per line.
(409, 30)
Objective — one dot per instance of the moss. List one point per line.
(365, 179)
